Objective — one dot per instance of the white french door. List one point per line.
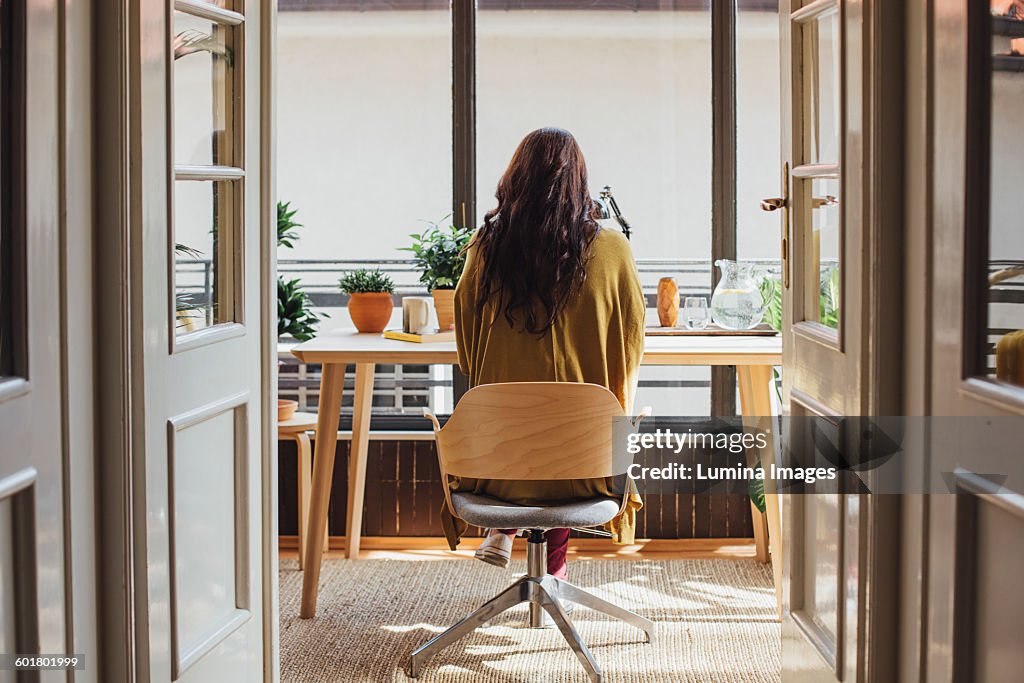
(836, 260)
(975, 539)
(201, 281)
(32, 532)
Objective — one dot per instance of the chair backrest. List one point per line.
(534, 430)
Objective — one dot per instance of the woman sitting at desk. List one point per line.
(546, 295)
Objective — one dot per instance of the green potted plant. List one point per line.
(369, 303)
(295, 316)
(440, 255)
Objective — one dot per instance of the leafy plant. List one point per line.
(755, 489)
(366, 281)
(185, 250)
(829, 298)
(294, 314)
(287, 235)
(771, 290)
(186, 306)
(192, 41)
(440, 254)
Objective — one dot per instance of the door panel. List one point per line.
(839, 354)
(821, 361)
(975, 538)
(32, 534)
(200, 279)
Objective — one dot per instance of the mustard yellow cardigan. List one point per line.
(598, 338)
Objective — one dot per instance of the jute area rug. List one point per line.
(716, 622)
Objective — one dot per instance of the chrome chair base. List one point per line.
(543, 592)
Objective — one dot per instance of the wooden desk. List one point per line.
(753, 357)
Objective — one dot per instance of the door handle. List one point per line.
(774, 204)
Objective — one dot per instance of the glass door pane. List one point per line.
(823, 255)
(1000, 329)
(13, 340)
(5, 287)
(821, 85)
(817, 215)
(202, 90)
(208, 165)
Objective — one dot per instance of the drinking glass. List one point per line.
(695, 312)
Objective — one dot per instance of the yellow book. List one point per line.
(435, 336)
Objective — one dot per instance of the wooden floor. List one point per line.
(429, 548)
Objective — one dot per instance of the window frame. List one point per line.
(14, 362)
(231, 174)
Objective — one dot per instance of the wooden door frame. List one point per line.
(268, 334)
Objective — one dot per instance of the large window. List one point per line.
(634, 88)
(758, 153)
(391, 113)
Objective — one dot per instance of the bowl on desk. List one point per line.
(286, 409)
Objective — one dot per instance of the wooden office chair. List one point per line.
(530, 431)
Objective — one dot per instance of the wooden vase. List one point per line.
(1010, 358)
(668, 302)
(444, 306)
(370, 311)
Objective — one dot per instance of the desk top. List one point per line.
(349, 346)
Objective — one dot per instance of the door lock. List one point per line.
(776, 203)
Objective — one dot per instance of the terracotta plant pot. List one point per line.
(370, 311)
(286, 409)
(668, 302)
(444, 305)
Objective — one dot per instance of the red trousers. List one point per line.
(558, 543)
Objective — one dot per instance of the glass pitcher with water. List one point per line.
(736, 303)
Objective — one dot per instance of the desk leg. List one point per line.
(305, 460)
(756, 406)
(332, 379)
(361, 408)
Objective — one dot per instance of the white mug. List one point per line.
(416, 317)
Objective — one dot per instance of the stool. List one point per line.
(297, 429)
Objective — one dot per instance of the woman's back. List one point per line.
(597, 337)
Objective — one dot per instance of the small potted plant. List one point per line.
(440, 254)
(369, 303)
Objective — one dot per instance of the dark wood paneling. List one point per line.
(404, 497)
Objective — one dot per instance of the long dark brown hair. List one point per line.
(533, 247)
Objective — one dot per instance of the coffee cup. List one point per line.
(416, 318)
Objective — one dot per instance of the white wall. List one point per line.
(364, 118)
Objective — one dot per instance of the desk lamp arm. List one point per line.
(609, 201)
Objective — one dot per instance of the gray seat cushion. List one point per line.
(493, 513)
